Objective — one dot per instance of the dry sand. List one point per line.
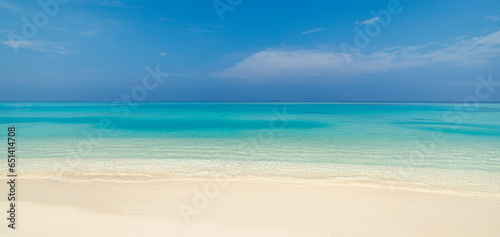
(48, 207)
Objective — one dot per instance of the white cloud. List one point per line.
(313, 31)
(276, 63)
(369, 21)
(163, 53)
(41, 46)
(493, 18)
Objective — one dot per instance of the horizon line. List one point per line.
(268, 101)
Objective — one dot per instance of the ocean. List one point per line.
(442, 147)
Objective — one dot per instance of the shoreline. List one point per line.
(358, 183)
(454, 182)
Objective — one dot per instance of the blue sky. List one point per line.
(83, 50)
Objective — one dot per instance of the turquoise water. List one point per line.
(429, 145)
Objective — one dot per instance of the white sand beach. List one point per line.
(48, 207)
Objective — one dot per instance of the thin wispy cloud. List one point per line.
(115, 3)
(278, 63)
(369, 21)
(92, 32)
(10, 7)
(41, 46)
(493, 18)
(313, 31)
(166, 19)
(91, 25)
(204, 28)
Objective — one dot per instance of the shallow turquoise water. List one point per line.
(382, 141)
